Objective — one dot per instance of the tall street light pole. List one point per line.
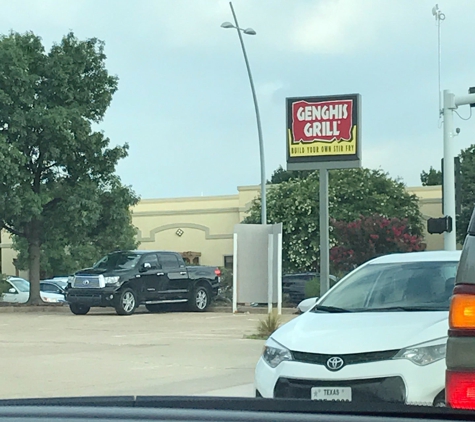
(250, 31)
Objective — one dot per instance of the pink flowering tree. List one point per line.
(367, 237)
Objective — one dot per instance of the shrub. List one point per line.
(268, 325)
(312, 287)
(226, 286)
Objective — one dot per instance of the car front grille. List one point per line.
(388, 389)
(87, 282)
(348, 359)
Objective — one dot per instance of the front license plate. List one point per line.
(331, 393)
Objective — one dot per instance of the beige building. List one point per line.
(202, 227)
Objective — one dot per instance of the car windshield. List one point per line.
(117, 261)
(20, 284)
(395, 286)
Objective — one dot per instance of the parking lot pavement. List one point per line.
(60, 354)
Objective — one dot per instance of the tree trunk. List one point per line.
(34, 253)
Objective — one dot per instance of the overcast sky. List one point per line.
(184, 104)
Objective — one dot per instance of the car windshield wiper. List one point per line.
(330, 309)
(406, 309)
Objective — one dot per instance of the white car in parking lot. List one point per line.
(379, 335)
(19, 292)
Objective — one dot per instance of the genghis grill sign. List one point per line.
(323, 129)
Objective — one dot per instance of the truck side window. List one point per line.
(152, 260)
(169, 260)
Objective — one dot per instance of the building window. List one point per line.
(228, 261)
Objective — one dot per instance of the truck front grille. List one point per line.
(88, 282)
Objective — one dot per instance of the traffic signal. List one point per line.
(471, 90)
(439, 225)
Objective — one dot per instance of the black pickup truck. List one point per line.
(126, 279)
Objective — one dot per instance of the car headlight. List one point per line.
(111, 280)
(70, 280)
(425, 353)
(274, 353)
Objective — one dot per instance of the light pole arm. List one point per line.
(465, 99)
(258, 118)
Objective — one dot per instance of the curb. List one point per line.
(55, 309)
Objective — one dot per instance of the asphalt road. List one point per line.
(100, 354)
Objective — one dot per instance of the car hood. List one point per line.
(342, 333)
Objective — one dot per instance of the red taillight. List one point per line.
(217, 271)
(460, 389)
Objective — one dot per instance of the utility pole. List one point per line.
(451, 103)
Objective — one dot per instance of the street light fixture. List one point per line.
(250, 31)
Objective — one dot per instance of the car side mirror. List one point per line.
(307, 304)
(11, 290)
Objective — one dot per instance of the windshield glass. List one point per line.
(117, 261)
(20, 284)
(397, 285)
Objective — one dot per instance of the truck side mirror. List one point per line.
(11, 290)
(146, 266)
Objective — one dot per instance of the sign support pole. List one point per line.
(270, 271)
(324, 233)
(235, 273)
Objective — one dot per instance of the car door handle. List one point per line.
(160, 273)
(183, 273)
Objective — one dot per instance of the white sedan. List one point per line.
(379, 335)
(19, 292)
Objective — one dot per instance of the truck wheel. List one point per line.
(200, 299)
(153, 308)
(78, 309)
(127, 302)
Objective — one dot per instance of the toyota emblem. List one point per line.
(86, 282)
(335, 363)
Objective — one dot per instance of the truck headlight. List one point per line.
(111, 280)
(425, 353)
(274, 353)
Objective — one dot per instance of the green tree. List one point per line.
(280, 175)
(467, 170)
(4, 286)
(352, 193)
(62, 254)
(431, 178)
(54, 165)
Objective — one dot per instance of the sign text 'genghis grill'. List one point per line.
(323, 129)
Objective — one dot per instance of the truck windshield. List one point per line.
(117, 261)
